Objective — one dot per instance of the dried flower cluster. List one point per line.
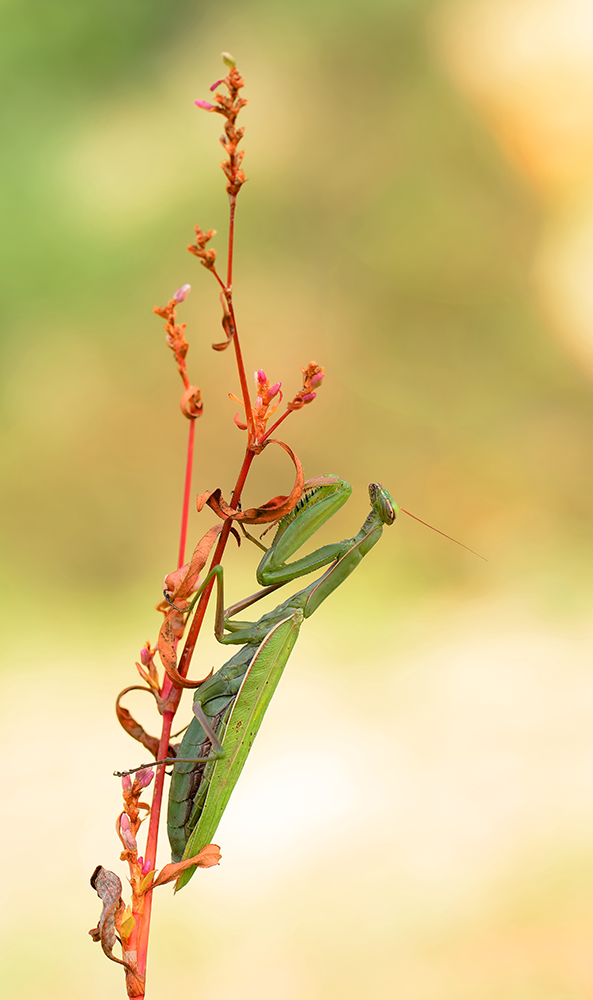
(191, 400)
(229, 107)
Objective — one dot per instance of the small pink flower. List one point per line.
(261, 377)
(217, 84)
(316, 380)
(182, 293)
(145, 657)
(205, 105)
(309, 397)
(126, 784)
(274, 390)
(146, 866)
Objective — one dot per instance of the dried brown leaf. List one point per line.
(207, 857)
(108, 888)
(167, 650)
(182, 582)
(133, 728)
(273, 510)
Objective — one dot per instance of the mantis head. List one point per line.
(383, 503)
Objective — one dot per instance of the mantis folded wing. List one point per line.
(234, 700)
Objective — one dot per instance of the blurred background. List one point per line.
(416, 818)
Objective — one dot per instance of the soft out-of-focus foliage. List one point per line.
(387, 233)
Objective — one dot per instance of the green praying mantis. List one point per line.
(229, 706)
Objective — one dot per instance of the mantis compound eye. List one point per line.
(383, 504)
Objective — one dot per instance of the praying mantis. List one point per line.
(229, 706)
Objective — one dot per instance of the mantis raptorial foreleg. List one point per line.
(235, 698)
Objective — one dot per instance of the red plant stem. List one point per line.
(143, 930)
(241, 367)
(227, 292)
(196, 624)
(186, 492)
(157, 795)
(274, 426)
(172, 696)
(229, 273)
(219, 279)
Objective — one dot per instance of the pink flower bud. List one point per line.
(316, 380)
(260, 376)
(144, 777)
(274, 390)
(126, 834)
(145, 657)
(146, 866)
(309, 397)
(205, 105)
(126, 784)
(217, 84)
(258, 403)
(182, 293)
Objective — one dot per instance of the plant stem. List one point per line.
(229, 273)
(152, 840)
(186, 492)
(274, 426)
(143, 930)
(172, 696)
(228, 294)
(241, 368)
(196, 624)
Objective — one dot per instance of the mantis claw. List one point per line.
(169, 601)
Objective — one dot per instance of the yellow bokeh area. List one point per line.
(416, 817)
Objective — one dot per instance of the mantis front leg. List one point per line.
(323, 496)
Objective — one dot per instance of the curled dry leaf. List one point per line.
(207, 857)
(180, 584)
(166, 645)
(133, 728)
(273, 510)
(227, 325)
(183, 581)
(191, 403)
(108, 888)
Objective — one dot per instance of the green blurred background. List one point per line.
(417, 815)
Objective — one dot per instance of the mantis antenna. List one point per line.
(450, 537)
